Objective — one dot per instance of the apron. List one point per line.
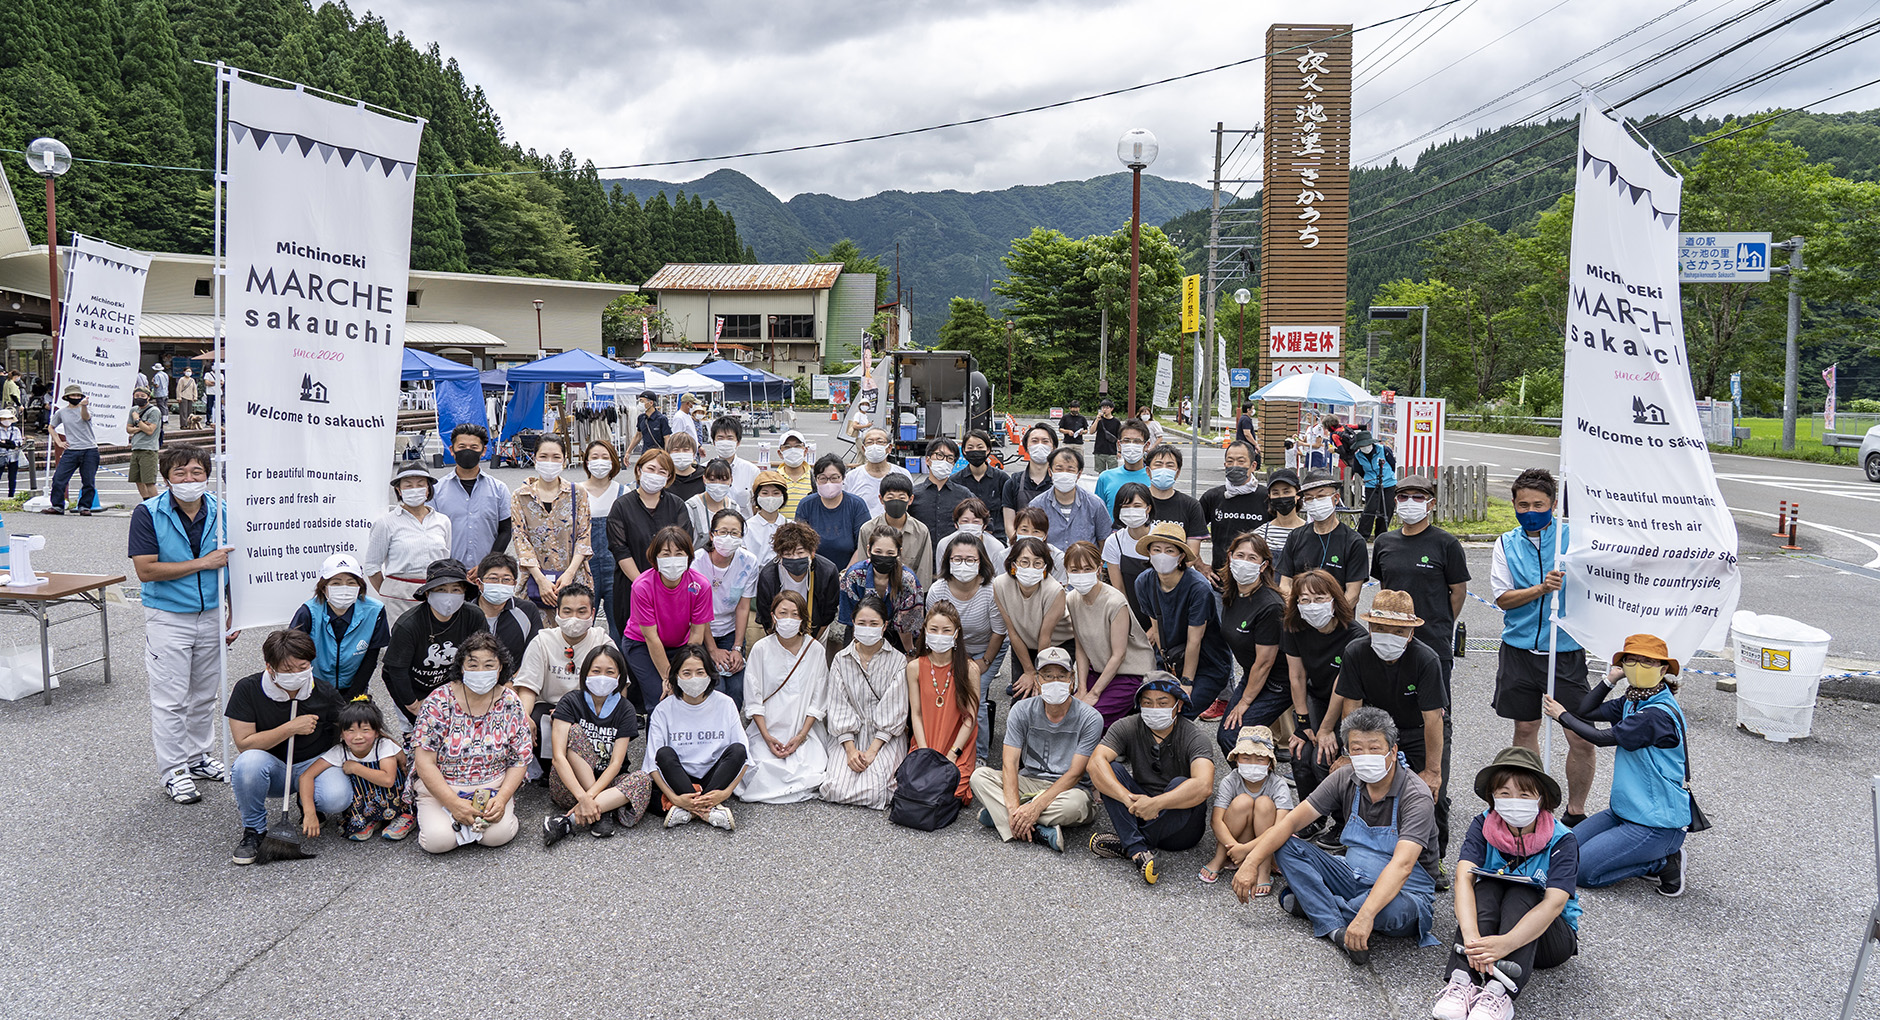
(1369, 848)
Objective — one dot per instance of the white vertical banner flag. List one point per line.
(104, 295)
(1164, 379)
(1223, 405)
(1653, 548)
(319, 252)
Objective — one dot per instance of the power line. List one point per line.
(1427, 30)
(1466, 56)
(1384, 48)
(1675, 152)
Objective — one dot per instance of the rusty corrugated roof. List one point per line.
(721, 276)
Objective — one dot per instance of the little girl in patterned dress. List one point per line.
(376, 766)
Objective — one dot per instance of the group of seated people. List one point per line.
(771, 673)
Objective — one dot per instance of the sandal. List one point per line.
(1263, 889)
(1208, 875)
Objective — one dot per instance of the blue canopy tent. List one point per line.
(741, 384)
(530, 384)
(456, 389)
(495, 379)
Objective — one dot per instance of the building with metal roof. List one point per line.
(475, 318)
(786, 319)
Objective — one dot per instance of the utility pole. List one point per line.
(1103, 352)
(1791, 366)
(1204, 387)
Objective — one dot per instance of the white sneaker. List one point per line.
(1456, 999)
(1492, 1003)
(180, 787)
(676, 817)
(208, 768)
(721, 817)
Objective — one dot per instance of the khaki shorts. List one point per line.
(143, 467)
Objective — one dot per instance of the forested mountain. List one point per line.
(116, 80)
(951, 241)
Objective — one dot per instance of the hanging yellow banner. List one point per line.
(1191, 303)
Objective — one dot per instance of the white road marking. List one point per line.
(1875, 546)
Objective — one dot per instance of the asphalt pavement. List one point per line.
(120, 903)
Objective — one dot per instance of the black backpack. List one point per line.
(924, 796)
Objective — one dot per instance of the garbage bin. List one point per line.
(1778, 672)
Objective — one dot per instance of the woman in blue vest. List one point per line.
(1377, 465)
(1517, 903)
(1642, 832)
(347, 626)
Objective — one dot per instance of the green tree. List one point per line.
(850, 255)
(512, 225)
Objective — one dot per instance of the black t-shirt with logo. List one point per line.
(1109, 430)
(601, 730)
(1178, 508)
(1323, 654)
(1253, 620)
(1340, 552)
(1229, 517)
(248, 703)
(1425, 565)
(1406, 688)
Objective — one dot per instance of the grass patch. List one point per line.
(1500, 519)
(1765, 440)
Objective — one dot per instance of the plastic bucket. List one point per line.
(1778, 673)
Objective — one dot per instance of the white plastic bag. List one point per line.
(20, 673)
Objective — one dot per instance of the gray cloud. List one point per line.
(627, 83)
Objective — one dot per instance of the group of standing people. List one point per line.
(798, 632)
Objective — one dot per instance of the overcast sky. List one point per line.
(644, 81)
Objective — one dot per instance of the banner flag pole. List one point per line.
(217, 279)
(1554, 599)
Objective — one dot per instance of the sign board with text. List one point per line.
(1281, 369)
(1240, 378)
(1723, 258)
(1284, 342)
(1191, 303)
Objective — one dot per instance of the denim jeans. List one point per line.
(1175, 829)
(257, 775)
(1613, 849)
(984, 742)
(1273, 701)
(1329, 895)
(731, 683)
(85, 462)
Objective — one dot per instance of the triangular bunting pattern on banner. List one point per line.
(348, 157)
(1609, 172)
(326, 151)
(306, 144)
(240, 131)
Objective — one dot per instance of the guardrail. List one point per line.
(1551, 423)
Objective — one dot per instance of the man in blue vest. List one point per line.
(1377, 465)
(1523, 576)
(175, 548)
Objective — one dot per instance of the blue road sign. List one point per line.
(1240, 378)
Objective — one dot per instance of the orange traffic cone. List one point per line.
(834, 415)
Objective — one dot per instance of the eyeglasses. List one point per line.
(727, 534)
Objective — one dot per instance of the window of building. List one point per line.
(801, 327)
(742, 327)
(204, 288)
(412, 297)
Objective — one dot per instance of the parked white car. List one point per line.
(1870, 454)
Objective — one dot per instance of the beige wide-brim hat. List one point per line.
(1393, 609)
(1166, 531)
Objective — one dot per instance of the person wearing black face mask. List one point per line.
(798, 568)
(1237, 507)
(477, 504)
(883, 574)
(916, 542)
(985, 481)
(142, 425)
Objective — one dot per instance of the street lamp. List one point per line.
(538, 328)
(1137, 149)
(49, 158)
(1241, 297)
(1423, 355)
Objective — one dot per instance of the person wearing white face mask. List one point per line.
(731, 570)
(834, 513)
(553, 529)
(1022, 488)
(347, 626)
(868, 712)
(866, 478)
(1032, 606)
(989, 484)
(936, 494)
(1253, 616)
(698, 749)
(1159, 801)
(602, 487)
(549, 665)
(1319, 626)
(672, 609)
(1039, 788)
(1122, 564)
(266, 711)
(470, 749)
(408, 538)
(1250, 799)
(785, 702)
(911, 537)
(653, 428)
(688, 469)
(718, 496)
(727, 434)
(768, 494)
(514, 621)
(970, 518)
(1074, 515)
(633, 522)
(943, 693)
(1184, 623)
(175, 547)
(1390, 669)
(794, 466)
(1517, 896)
(1329, 544)
(1132, 446)
(590, 782)
(1234, 508)
(1386, 822)
(967, 590)
(425, 643)
(1112, 649)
